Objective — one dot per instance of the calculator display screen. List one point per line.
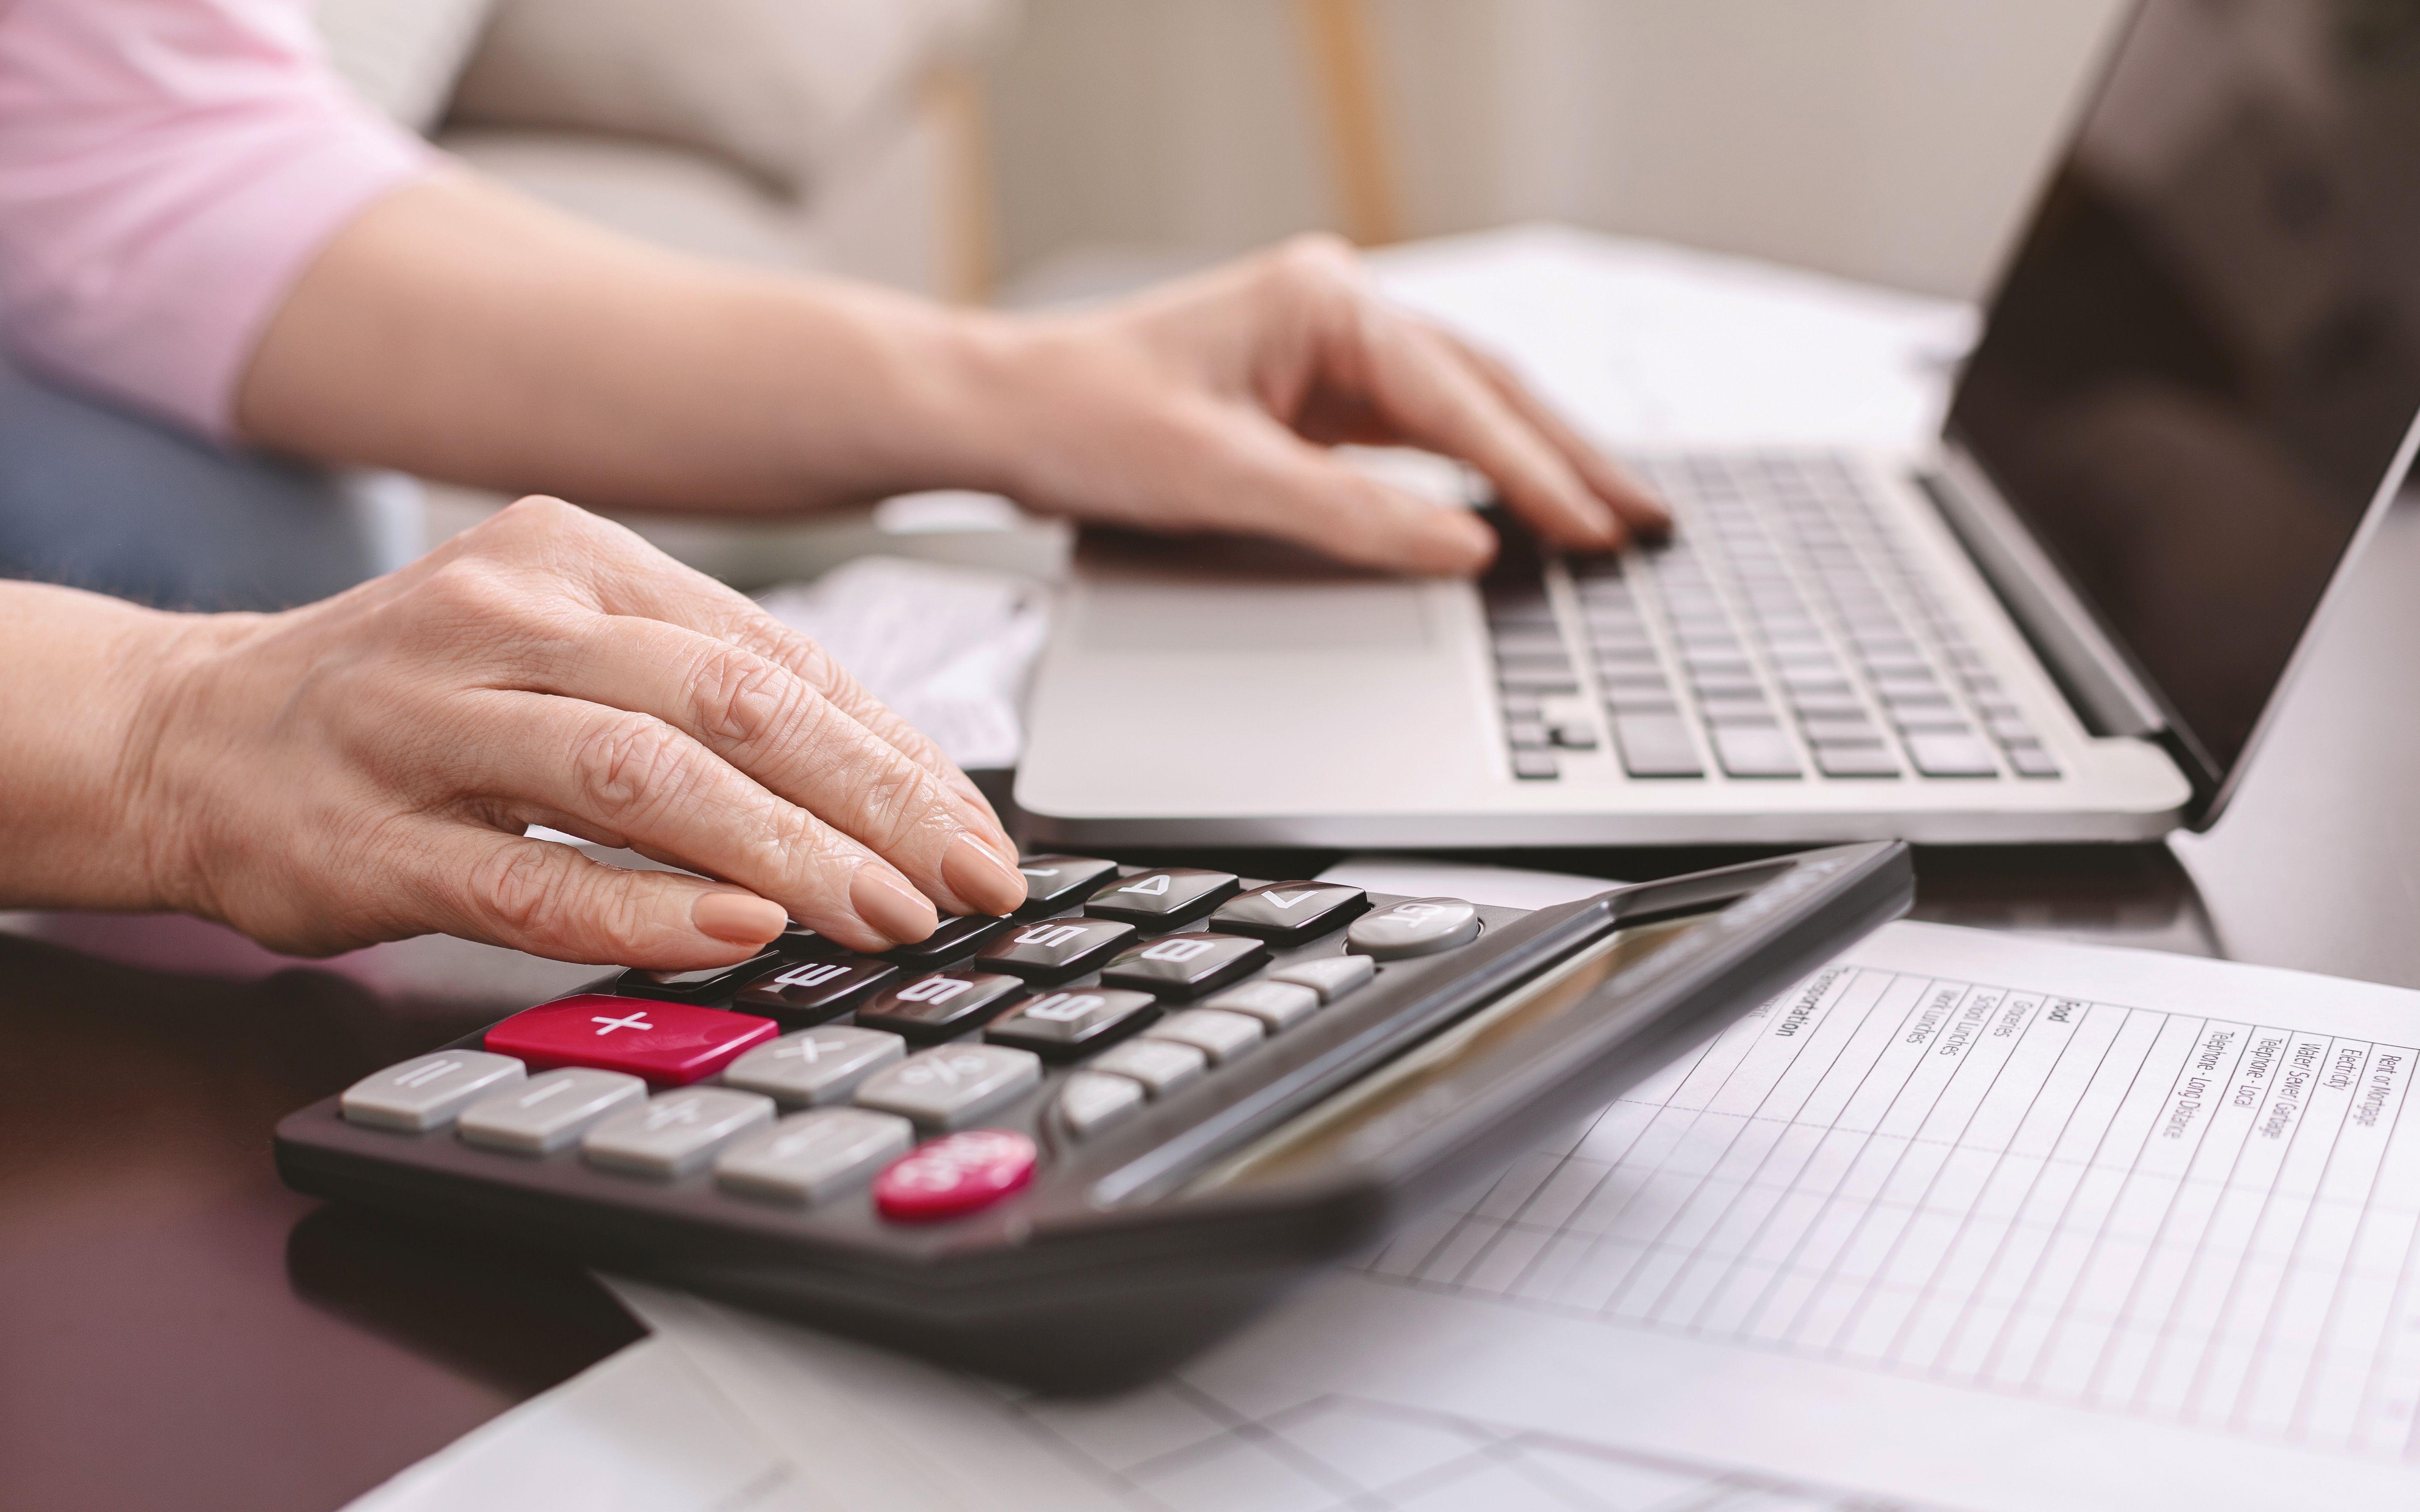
(1355, 1123)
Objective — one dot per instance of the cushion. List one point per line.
(403, 55)
(778, 87)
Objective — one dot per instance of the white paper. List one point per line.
(949, 648)
(641, 1431)
(1917, 1234)
(1648, 345)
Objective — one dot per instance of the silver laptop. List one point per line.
(2067, 621)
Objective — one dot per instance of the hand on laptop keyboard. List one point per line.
(1208, 405)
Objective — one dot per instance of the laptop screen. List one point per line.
(2203, 361)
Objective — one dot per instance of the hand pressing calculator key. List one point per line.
(1071, 1146)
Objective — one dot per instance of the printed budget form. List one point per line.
(1963, 1221)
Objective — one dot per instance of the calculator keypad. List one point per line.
(1162, 896)
(817, 1066)
(1055, 949)
(939, 1005)
(1184, 966)
(670, 1045)
(797, 993)
(953, 1085)
(1133, 1004)
(814, 1157)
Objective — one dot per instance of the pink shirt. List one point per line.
(168, 168)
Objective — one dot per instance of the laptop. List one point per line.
(2068, 620)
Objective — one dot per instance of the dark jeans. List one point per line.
(98, 497)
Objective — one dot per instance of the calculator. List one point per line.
(1071, 1146)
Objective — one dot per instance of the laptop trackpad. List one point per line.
(1293, 618)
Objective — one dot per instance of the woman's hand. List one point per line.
(459, 332)
(362, 768)
(1210, 404)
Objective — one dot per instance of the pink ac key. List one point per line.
(955, 1175)
(670, 1045)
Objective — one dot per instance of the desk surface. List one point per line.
(177, 1330)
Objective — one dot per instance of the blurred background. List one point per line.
(1026, 151)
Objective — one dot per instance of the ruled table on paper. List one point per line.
(2204, 1220)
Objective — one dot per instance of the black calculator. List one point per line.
(1071, 1146)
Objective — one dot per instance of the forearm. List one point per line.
(76, 826)
(461, 333)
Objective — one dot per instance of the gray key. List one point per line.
(1277, 1004)
(1526, 642)
(818, 1066)
(1655, 746)
(546, 1112)
(674, 1134)
(1755, 750)
(1526, 680)
(2031, 759)
(1952, 755)
(1220, 1035)
(1536, 766)
(952, 1085)
(1417, 926)
(1525, 735)
(1091, 1102)
(814, 1157)
(1330, 975)
(427, 1091)
(1160, 1065)
(1572, 736)
(1862, 757)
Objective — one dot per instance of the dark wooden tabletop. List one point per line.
(177, 1330)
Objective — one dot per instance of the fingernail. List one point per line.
(1472, 540)
(738, 918)
(976, 872)
(897, 910)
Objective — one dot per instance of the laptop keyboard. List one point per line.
(1783, 634)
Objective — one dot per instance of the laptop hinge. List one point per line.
(2108, 694)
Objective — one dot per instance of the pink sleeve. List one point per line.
(168, 168)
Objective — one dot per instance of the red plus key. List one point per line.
(954, 1174)
(670, 1045)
